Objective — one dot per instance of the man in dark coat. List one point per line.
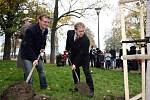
(32, 45)
(77, 44)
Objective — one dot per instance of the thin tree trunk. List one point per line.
(148, 52)
(52, 56)
(7, 47)
(55, 20)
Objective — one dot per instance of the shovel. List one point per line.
(30, 74)
(82, 87)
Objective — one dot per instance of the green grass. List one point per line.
(106, 82)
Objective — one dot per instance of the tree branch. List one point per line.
(70, 6)
(61, 26)
(73, 15)
(74, 3)
(73, 11)
(62, 5)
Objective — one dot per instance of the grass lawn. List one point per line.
(106, 82)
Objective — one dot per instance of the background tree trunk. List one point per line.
(7, 47)
(53, 32)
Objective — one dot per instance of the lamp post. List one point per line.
(98, 11)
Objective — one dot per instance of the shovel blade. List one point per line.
(83, 88)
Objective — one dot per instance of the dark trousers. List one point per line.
(92, 62)
(108, 64)
(87, 73)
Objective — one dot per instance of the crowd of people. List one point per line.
(101, 59)
(109, 60)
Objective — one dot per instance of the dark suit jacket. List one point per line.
(70, 40)
(79, 49)
(33, 42)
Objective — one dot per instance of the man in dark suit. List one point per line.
(77, 44)
(32, 44)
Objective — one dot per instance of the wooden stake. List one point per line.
(137, 97)
(124, 52)
(138, 57)
(142, 49)
(148, 52)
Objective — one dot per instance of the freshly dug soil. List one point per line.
(18, 91)
(21, 91)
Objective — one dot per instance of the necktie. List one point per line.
(76, 38)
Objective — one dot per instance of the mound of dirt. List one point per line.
(18, 91)
(21, 91)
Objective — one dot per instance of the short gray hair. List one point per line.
(79, 24)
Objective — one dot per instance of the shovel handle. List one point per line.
(74, 71)
(30, 74)
(76, 75)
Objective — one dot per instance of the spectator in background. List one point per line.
(132, 64)
(102, 59)
(113, 58)
(92, 56)
(107, 60)
(95, 56)
(97, 62)
(65, 56)
(26, 22)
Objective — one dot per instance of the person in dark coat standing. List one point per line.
(32, 45)
(77, 44)
(92, 56)
(21, 33)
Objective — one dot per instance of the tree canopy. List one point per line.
(10, 13)
(132, 20)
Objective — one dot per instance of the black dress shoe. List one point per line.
(91, 94)
(44, 86)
